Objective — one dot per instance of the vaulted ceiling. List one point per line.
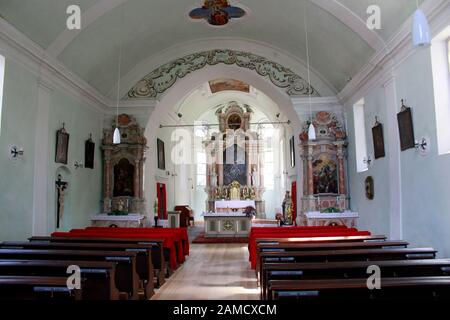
(340, 43)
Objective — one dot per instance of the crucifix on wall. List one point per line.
(61, 187)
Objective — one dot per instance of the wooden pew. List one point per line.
(350, 269)
(144, 265)
(99, 276)
(419, 288)
(291, 246)
(358, 238)
(36, 288)
(127, 279)
(160, 264)
(346, 255)
(294, 246)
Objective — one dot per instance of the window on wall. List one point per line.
(360, 136)
(440, 60)
(267, 133)
(2, 78)
(448, 53)
(201, 169)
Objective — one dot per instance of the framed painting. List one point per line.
(161, 155)
(378, 140)
(89, 150)
(292, 151)
(62, 146)
(406, 129)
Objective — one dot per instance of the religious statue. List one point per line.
(245, 194)
(287, 207)
(252, 193)
(213, 177)
(255, 178)
(216, 194)
(61, 186)
(224, 193)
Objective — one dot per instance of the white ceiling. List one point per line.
(338, 52)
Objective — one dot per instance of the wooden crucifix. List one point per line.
(61, 186)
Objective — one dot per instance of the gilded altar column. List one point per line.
(309, 159)
(107, 194)
(136, 178)
(141, 179)
(219, 155)
(341, 168)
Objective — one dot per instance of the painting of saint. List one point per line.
(123, 179)
(325, 175)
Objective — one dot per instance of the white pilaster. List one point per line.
(40, 205)
(393, 151)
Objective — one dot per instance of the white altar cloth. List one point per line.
(233, 204)
(334, 215)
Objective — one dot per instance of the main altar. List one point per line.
(234, 161)
(229, 219)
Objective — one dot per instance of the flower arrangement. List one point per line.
(332, 210)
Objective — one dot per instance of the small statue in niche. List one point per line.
(245, 194)
(216, 194)
(252, 193)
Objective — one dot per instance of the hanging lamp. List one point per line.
(116, 135)
(420, 29)
(311, 128)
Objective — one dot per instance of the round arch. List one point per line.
(186, 85)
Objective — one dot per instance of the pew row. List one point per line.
(350, 270)
(410, 288)
(37, 288)
(127, 279)
(99, 277)
(144, 264)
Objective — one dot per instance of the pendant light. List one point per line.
(420, 29)
(116, 135)
(311, 128)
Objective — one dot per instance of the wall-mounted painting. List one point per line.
(89, 150)
(228, 85)
(405, 127)
(62, 145)
(378, 140)
(325, 174)
(292, 151)
(161, 155)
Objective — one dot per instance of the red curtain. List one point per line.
(294, 201)
(161, 193)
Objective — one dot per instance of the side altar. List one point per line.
(325, 199)
(123, 171)
(234, 160)
(132, 220)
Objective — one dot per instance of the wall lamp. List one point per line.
(16, 152)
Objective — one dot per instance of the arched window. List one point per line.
(267, 133)
(360, 136)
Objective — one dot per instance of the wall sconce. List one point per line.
(78, 164)
(423, 146)
(16, 152)
(367, 161)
